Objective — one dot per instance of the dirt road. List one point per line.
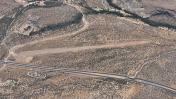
(13, 49)
(26, 56)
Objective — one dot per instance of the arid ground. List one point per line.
(88, 49)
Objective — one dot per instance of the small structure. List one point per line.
(44, 2)
(37, 75)
(29, 26)
(76, 2)
(26, 3)
(37, 2)
(22, 2)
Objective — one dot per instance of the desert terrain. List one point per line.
(88, 49)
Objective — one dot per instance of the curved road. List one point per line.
(89, 73)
